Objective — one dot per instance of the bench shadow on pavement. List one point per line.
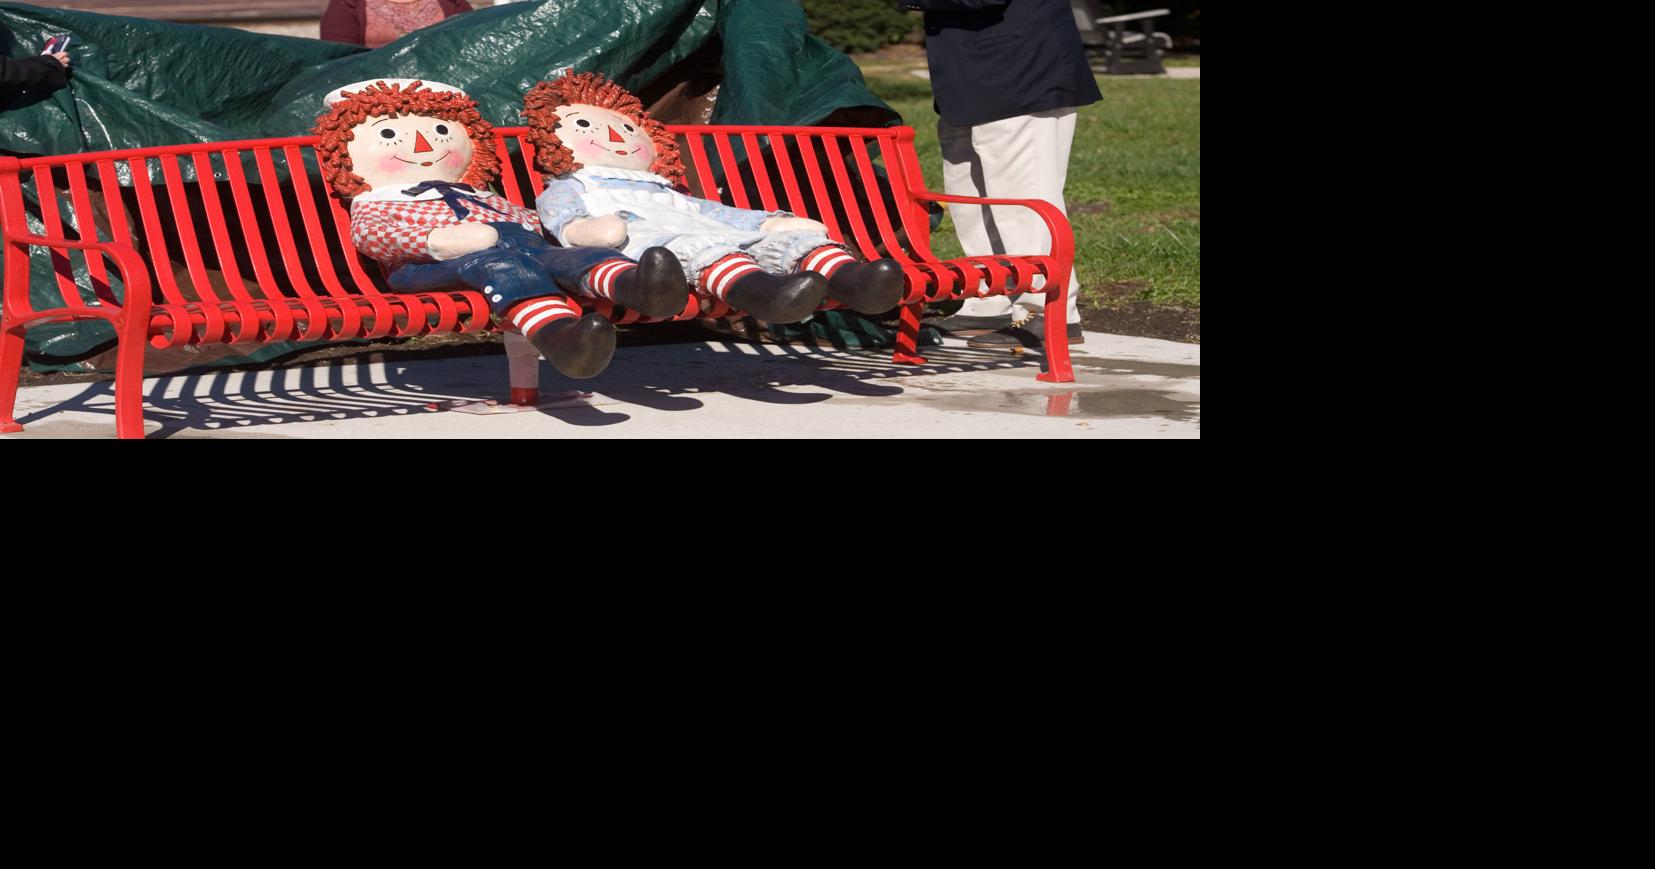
(394, 383)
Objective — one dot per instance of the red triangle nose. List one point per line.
(420, 145)
(614, 136)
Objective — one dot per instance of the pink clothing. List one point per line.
(388, 20)
(352, 20)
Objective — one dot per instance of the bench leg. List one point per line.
(524, 362)
(129, 379)
(11, 370)
(1056, 339)
(907, 336)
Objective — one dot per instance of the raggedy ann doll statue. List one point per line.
(415, 159)
(615, 179)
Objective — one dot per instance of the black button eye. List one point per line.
(442, 129)
(628, 127)
(583, 123)
(387, 134)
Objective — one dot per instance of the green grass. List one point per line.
(1134, 191)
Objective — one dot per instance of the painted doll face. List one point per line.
(600, 137)
(407, 149)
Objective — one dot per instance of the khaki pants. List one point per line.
(1025, 157)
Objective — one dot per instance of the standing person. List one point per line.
(1009, 77)
(47, 72)
(375, 23)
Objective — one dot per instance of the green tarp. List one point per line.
(140, 83)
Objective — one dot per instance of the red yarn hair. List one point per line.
(552, 157)
(337, 129)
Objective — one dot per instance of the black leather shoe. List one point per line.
(656, 288)
(577, 348)
(867, 288)
(778, 298)
(961, 326)
(1028, 333)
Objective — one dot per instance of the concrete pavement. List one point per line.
(1126, 387)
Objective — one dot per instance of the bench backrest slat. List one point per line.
(732, 179)
(219, 227)
(508, 169)
(853, 214)
(86, 220)
(784, 167)
(870, 181)
(62, 266)
(313, 223)
(276, 209)
(761, 172)
(353, 263)
(537, 184)
(184, 225)
(838, 179)
(149, 217)
(699, 169)
(813, 173)
(257, 254)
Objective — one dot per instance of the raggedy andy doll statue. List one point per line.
(415, 159)
(613, 178)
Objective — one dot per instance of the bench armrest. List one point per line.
(1063, 235)
(134, 274)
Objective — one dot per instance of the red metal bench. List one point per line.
(262, 254)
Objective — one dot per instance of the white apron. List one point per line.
(658, 215)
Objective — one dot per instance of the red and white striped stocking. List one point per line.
(600, 279)
(825, 260)
(533, 315)
(718, 277)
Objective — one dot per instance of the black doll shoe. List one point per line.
(656, 288)
(778, 298)
(867, 288)
(577, 348)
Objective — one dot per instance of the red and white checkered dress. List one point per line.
(391, 226)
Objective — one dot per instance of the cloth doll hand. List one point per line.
(607, 231)
(793, 224)
(451, 242)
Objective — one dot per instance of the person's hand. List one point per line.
(793, 224)
(61, 57)
(451, 242)
(607, 231)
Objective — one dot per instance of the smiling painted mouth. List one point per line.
(426, 163)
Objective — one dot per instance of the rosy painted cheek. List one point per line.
(390, 166)
(587, 149)
(451, 159)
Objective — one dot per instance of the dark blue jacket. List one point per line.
(997, 59)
